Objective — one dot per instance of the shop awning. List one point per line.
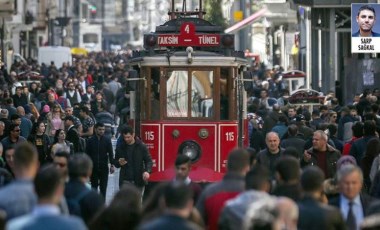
(246, 22)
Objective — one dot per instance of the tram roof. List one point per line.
(199, 58)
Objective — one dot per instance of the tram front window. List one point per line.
(202, 94)
(192, 95)
(177, 94)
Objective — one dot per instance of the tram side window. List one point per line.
(202, 103)
(177, 93)
(224, 94)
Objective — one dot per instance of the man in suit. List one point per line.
(313, 214)
(49, 185)
(72, 134)
(352, 204)
(366, 20)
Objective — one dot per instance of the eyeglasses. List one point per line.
(16, 130)
(334, 116)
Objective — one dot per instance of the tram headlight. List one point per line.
(190, 149)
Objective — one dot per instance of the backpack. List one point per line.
(62, 102)
(74, 203)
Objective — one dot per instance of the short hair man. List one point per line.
(288, 178)
(90, 202)
(269, 156)
(312, 214)
(99, 148)
(182, 169)
(20, 196)
(352, 204)
(366, 20)
(134, 159)
(257, 187)
(178, 207)
(210, 203)
(14, 136)
(49, 187)
(321, 154)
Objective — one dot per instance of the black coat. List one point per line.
(314, 215)
(364, 198)
(72, 135)
(100, 151)
(141, 162)
(91, 203)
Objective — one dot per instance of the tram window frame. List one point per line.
(215, 91)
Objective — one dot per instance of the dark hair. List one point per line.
(323, 107)
(357, 129)
(373, 148)
(99, 124)
(177, 194)
(62, 154)
(288, 168)
(283, 119)
(56, 135)
(70, 118)
(127, 130)
(292, 152)
(182, 159)
(47, 180)
(333, 128)
(369, 128)
(257, 177)
(312, 179)
(13, 126)
(375, 108)
(15, 117)
(80, 165)
(85, 109)
(124, 210)
(293, 130)
(59, 92)
(367, 7)
(25, 155)
(36, 125)
(238, 159)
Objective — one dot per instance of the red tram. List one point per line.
(188, 96)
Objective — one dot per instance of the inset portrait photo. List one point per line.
(365, 30)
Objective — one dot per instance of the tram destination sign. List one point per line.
(188, 37)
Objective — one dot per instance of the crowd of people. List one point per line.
(302, 169)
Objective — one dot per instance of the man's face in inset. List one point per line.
(366, 19)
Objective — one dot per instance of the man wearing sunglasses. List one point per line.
(14, 136)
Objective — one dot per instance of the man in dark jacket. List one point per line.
(99, 148)
(76, 191)
(72, 134)
(313, 215)
(321, 154)
(134, 159)
(269, 156)
(359, 146)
